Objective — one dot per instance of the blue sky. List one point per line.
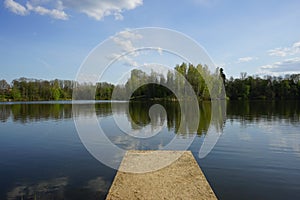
(50, 39)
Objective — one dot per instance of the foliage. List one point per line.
(24, 89)
(263, 88)
(197, 77)
(160, 86)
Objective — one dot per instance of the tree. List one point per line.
(243, 75)
(4, 89)
(199, 77)
(55, 90)
(223, 76)
(16, 94)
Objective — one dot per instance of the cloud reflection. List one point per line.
(50, 189)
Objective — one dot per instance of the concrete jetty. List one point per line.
(181, 179)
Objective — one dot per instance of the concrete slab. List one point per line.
(181, 179)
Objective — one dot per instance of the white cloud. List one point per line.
(288, 66)
(285, 51)
(118, 16)
(54, 13)
(128, 34)
(15, 7)
(129, 61)
(246, 59)
(56, 9)
(125, 41)
(282, 52)
(125, 44)
(296, 45)
(99, 9)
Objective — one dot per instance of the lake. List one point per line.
(257, 155)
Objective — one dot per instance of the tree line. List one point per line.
(266, 88)
(160, 86)
(24, 89)
(177, 83)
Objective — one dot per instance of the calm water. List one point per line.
(256, 157)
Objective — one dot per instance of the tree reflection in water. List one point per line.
(139, 111)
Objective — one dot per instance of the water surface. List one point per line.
(256, 157)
